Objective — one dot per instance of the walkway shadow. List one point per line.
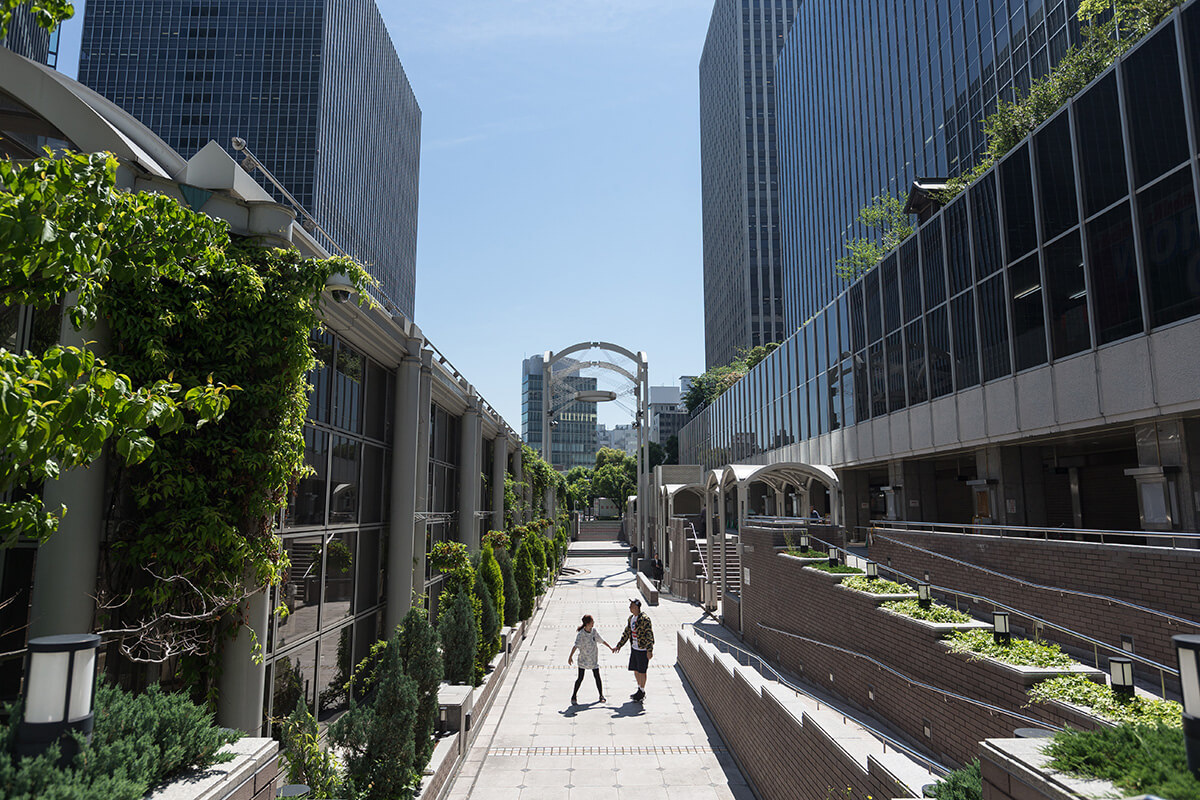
(574, 709)
(729, 766)
(631, 708)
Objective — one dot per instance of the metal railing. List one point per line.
(1039, 623)
(692, 537)
(746, 658)
(1192, 540)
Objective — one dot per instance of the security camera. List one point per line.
(339, 287)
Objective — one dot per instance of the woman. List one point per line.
(585, 642)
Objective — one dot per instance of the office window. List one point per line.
(914, 341)
(933, 269)
(993, 329)
(910, 279)
(1101, 148)
(895, 372)
(958, 250)
(1017, 189)
(937, 338)
(1068, 297)
(966, 353)
(1056, 176)
(1112, 267)
(878, 368)
(862, 391)
(858, 322)
(1167, 216)
(891, 294)
(985, 220)
(1154, 105)
(846, 376)
(1028, 317)
(874, 309)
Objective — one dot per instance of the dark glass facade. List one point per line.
(333, 531)
(313, 86)
(1021, 270)
(574, 436)
(872, 95)
(743, 279)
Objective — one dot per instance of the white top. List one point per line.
(589, 657)
(633, 640)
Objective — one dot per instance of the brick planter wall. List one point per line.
(1160, 578)
(251, 775)
(784, 595)
(784, 753)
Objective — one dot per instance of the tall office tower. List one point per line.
(25, 37)
(875, 94)
(314, 87)
(743, 282)
(574, 432)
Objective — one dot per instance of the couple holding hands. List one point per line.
(640, 635)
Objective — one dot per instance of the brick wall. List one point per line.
(784, 755)
(1159, 578)
(784, 595)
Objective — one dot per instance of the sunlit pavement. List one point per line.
(535, 744)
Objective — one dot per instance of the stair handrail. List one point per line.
(693, 537)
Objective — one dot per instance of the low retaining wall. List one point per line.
(786, 747)
(837, 623)
(1159, 578)
(251, 775)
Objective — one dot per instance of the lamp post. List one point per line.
(1001, 633)
(804, 542)
(60, 687)
(923, 595)
(872, 571)
(833, 556)
(1120, 671)
(1187, 651)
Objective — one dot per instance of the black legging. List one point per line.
(579, 681)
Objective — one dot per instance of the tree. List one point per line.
(886, 215)
(538, 553)
(376, 739)
(715, 381)
(423, 663)
(579, 487)
(512, 594)
(489, 624)
(489, 568)
(526, 579)
(457, 627)
(47, 13)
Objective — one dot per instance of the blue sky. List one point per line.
(560, 180)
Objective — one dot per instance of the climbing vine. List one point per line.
(186, 305)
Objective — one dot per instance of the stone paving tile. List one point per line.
(536, 744)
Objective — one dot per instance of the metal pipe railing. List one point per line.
(1024, 532)
(764, 668)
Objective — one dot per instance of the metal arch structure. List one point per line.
(641, 387)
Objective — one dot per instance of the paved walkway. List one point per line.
(535, 744)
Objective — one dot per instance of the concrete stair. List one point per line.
(605, 530)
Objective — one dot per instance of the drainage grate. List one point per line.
(603, 751)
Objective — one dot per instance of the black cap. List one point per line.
(635, 601)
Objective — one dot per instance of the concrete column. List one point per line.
(64, 583)
(424, 403)
(720, 537)
(519, 476)
(499, 470)
(919, 484)
(468, 478)
(855, 498)
(406, 415)
(242, 681)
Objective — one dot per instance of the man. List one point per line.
(640, 635)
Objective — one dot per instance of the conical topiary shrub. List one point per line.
(423, 663)
(456, 624)
(512, 594)
(526, 580)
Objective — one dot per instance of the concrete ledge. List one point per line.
(251, 775)
(440, 768)
(649, 593)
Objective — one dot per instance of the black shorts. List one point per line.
(638, 661)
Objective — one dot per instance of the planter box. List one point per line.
(882, 598)
(1028, 676)
(441, 766)
(940, 628)
(1017, 769)
(455, 704)
(251, 775)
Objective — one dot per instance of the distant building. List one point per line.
(666, 412)
(314, 87)
(25, 37)
(574, 432)
(619, 437)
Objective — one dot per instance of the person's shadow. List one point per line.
(631, 708)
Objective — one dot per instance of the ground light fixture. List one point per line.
(833, 556)
(804, 542)
(1187, 651)
(1001, 634)
(1120, 671)
(60, 687)
(872, 571)
(923, 595)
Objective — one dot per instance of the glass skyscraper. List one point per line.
(25, 37)
(875, 93)
(574, 436)
(314, 87)
(743, 280)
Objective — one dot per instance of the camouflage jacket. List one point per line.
(645, 633)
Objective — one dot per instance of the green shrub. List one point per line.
(1103, 702)
(1140, 759)
(140, 741)
(526, 580)
(837, 569)
(537, 551)
(936, 612)
(419, 650)
(307, 762)
(1022, 652)
(488, 643)
(877, 586)
(376, 739)
(961, 784)
(512, 594)
(456, 624)
(489, 568)
(809, 553)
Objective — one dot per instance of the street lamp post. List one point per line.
(60, 688)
